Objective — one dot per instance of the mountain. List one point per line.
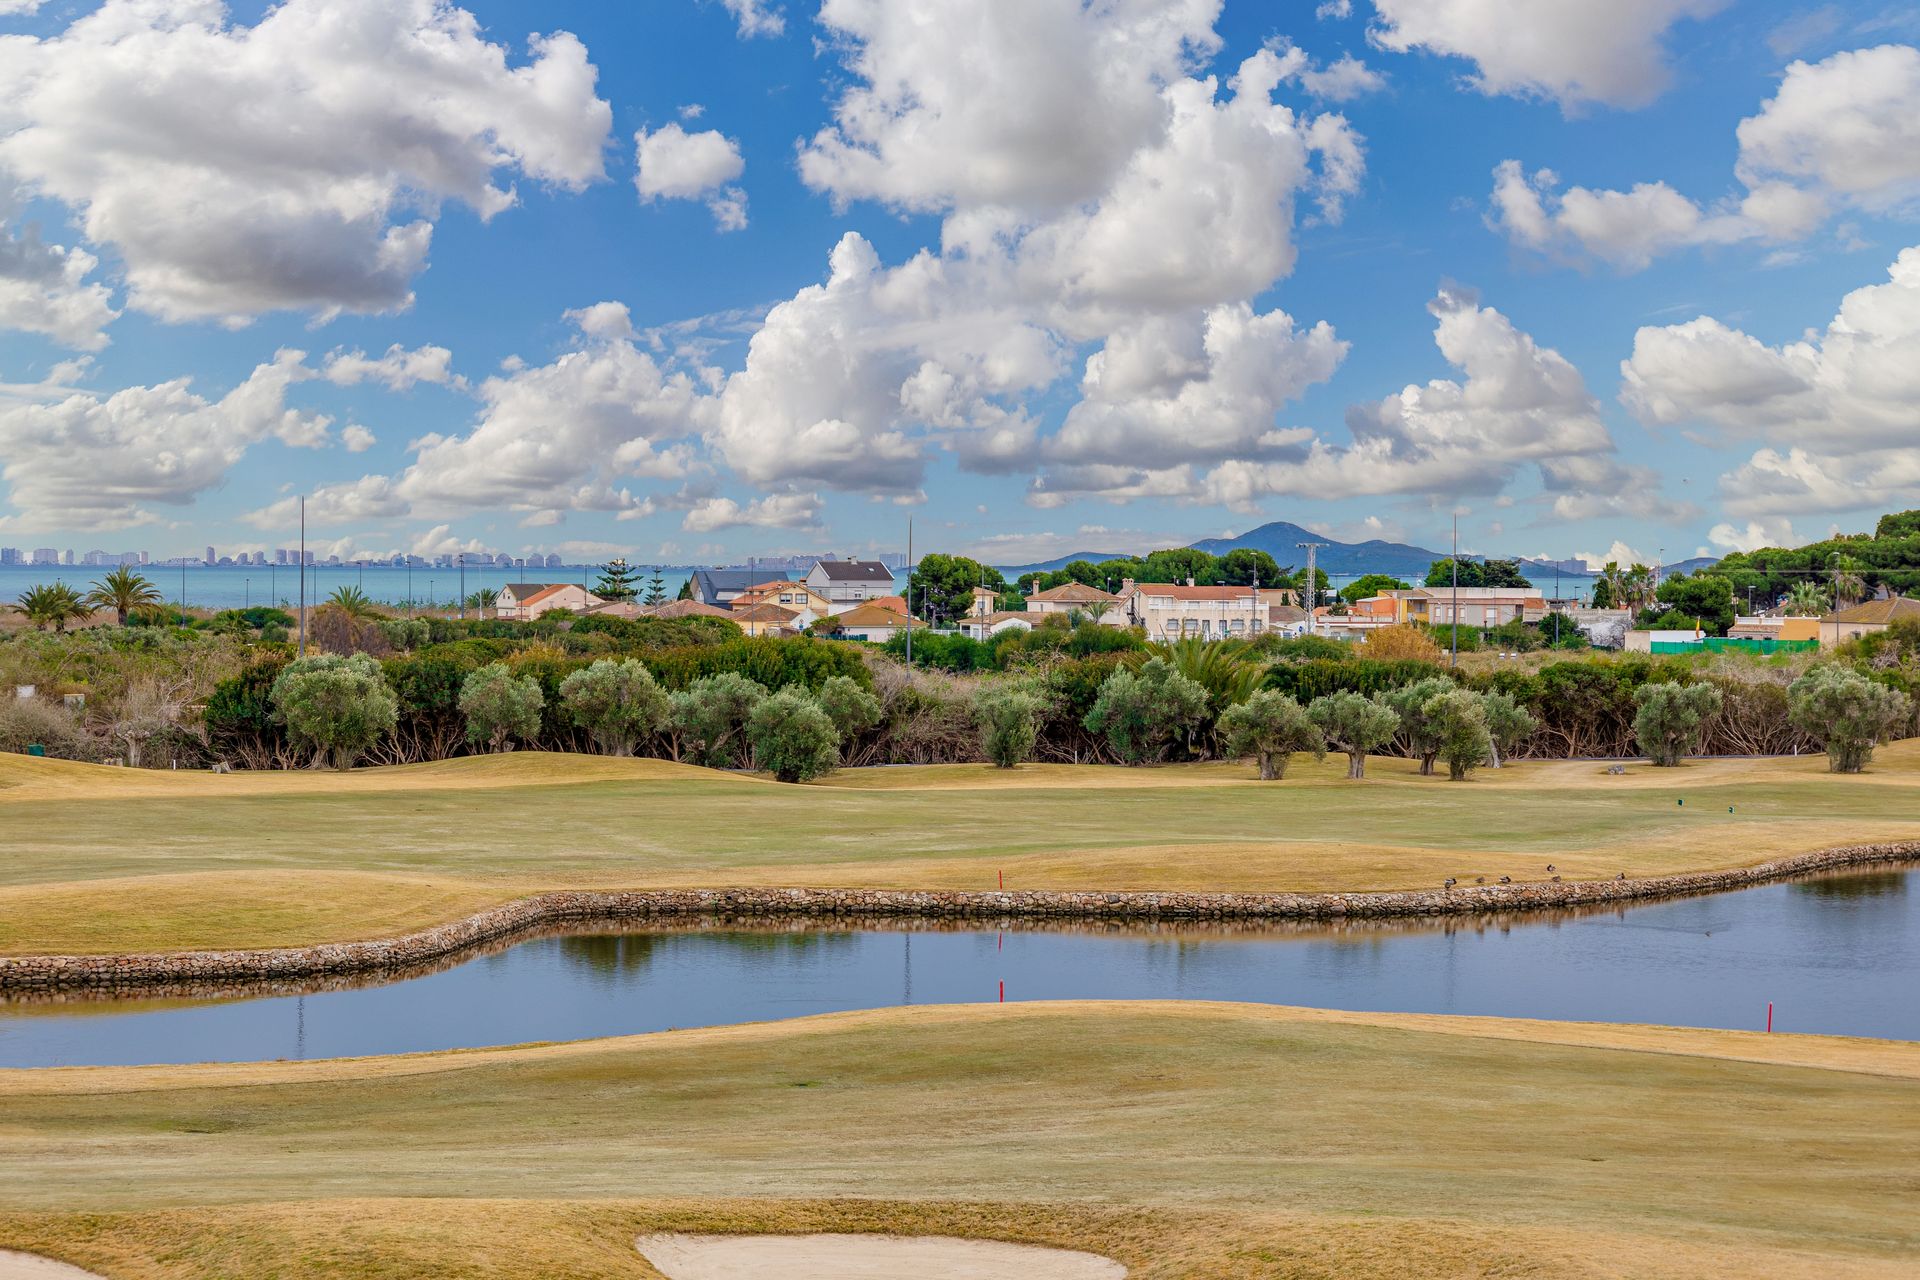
(1279, 540)
(1010, 572)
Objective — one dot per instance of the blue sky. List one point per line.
(1076, 291)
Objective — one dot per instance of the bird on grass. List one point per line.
(1551, 867)
(1479, 879)
(1556, 879)
(1506, 879)
(1451, 882)
(1621, 876)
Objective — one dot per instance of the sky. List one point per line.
(692, 280)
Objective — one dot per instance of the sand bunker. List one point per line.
(857, 1257)
(31, 1266)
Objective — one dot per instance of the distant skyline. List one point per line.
(698, 280)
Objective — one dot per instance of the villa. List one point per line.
(846, 583)
(527, 600)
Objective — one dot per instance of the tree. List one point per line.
(51, 605)
(1313, 595)
(616, 581)
(793, 737)
(1847, 713)
(482, 600)
(656, 589)
(1898, 524)
(1411, 704)
(500, 706)
(1503, 573)
(1370, 584)
(710, 716)
(122, 590)
(617, 701)
(945, 584)
(1353, 723)
(1144, 714)
(1805, 600)
(355, 603)
(852, 709)
(1229, 670)
(1271, 726)
(1249, 566)
(1402, 642)
(1458, 719)
(1672, 719)
(1702, 597)
(1009, 719)
(1177, 564)
(1508, 724)
(335, 706)
(1440, 573)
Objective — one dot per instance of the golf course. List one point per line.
(1177, 1138)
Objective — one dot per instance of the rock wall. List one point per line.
(31, 976)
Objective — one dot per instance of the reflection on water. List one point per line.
(1839, 954)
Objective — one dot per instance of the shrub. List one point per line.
(335, 707)
(1271, 727)
(1458, 720)
(1009, 723)
(852, 709)
(793, 737)
(1672, 719)
(618, 703)
(1846, 712)
(26, 721)
(1145, 714)
(240, 718)
(1508, 723)
(1412, 703)
(1315, 648)
(1353, 724)
(709, 718)
(1402, 642)
(500, 706)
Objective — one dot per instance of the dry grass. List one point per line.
(101, 860)
(1185, 1140)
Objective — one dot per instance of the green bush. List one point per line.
(1009, 719)
(709, 718)
(1847, 713)
(1146, 715)
(1270, 726)
(500, 706)
(1458, 719)
(1353, 724)
(1672, 718)
(852, 709)
(1416, 706)
(793, 737)
(335, 707)
(618, 703)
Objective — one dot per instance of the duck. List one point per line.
(1621, 876)
(1451, 882)
(1479, 879)
(1551, 867)
(1506, 879)
(1556, 879)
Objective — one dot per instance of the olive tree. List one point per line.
(1271, 726)
(1144, 713)
(1846, 712)
(1009, 719)
(334, 706)
(500, 706)
(617, 701)
(1410, 703)
(852, 709)
(1508, 724)
(1353, 723)
(709, 717)
(1672, 719)
(793, 736)
(1458, 719)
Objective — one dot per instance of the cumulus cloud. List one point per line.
(1573, 51)
(1334, 9)
(353, 502)
(398, 369)
(1342, 80)
(296, 164)
(677, 165)
(1773, 532)
(44, 289)
(756, 18)
(1518, 403)
(1840, 401)
(101, 462)
(19, 8)
(357, 438)
(775, 511)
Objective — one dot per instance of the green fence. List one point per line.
(1720, 644)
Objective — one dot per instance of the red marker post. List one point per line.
(1003, 994)
(1769, 1015)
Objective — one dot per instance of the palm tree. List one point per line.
(1848, 584)
(1229, 670)
(1806, 600)
(53, 605)
(355, 603)
(482, 600)
(123, 591)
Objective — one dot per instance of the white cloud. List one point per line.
(357, 438)
(1575, 52)
(330, 505)
(20, 8)
(93, 462)
(561, 435)
(1840, 400)
(775, 511)
(1519, 403)
(299, 163)
(756, 18)
(1619, 553)
(1334, 9)
(1775, 532)
(1849, 124)
(44, 289)
(1342, 80)
(398, 369)
(677, 165)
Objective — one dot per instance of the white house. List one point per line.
(875, 623)
(846, 583)
(1170, 611)
(524, 600)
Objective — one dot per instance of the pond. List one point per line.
(1838, 954)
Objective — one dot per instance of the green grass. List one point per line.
(1187, 1140)
(102, 859)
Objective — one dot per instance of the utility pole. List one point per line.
(909, 604)
(1453, 562)
(303, 575)
(1313, 579)
(461, 556)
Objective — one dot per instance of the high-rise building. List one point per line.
(9, 555)
(209, 556)
(45, 555)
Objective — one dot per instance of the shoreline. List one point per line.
(135, 973)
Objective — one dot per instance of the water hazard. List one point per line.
(1837, 954)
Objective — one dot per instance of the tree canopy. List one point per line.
(944, 584)
(1477, 573)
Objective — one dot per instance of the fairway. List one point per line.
(1185, 1140)
(102, 860)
